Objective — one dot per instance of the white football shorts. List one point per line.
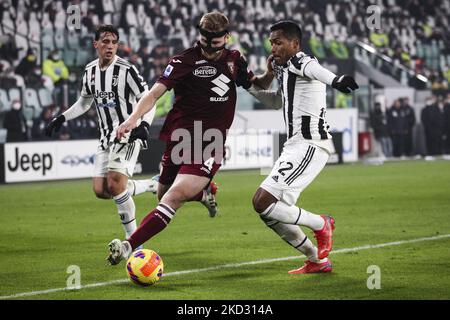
(118, 157)
(298, 165)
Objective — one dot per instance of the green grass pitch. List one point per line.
(47, 227)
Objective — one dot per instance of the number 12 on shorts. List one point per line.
(287, 166)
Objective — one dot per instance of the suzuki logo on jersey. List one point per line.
(222, 87)
(205, 72)
(104, 95)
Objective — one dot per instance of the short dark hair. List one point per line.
(291, 30)
(106, 28)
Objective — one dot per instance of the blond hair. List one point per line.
(214, 21)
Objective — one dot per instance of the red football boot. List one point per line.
(312, 267)
(324, 237)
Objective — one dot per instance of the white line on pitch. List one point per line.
(230, 265)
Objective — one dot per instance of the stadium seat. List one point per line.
(134, 40)
(108, 6)
(60, 38)
(21, 23)
(5, 103)
(7, 23)
(123, 37)
(130, 16)
(118, 4)
(46, 24)
(141, 16)
(35, 27)
(108, 18)
(60, 16)
(116, 18)
(28, 113)
(32, 101)
(45, 97)
(47, 40)
(3, 133)
(148, 29)
(83, 57)
(14, 94)
(73, 39)
(70, 57)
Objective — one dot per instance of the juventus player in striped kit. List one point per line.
(302, 94)
(113, 85)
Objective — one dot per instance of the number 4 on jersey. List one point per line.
(209, 163)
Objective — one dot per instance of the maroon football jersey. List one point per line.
(204, 91)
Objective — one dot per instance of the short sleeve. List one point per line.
(175, 71)
(136, 82)
(299, 64)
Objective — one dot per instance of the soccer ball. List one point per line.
(145, 267)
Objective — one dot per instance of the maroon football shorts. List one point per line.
(169, 171)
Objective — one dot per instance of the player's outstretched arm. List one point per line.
(344, 83)
(270, 98)
(77, 109)
(145, 104)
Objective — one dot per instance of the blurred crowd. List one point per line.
(394, 128)
(412, 32)
(19, 130)
(38, 49)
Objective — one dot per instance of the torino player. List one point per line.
(204, 79)
(302, 94)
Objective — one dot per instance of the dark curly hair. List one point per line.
(106, 28)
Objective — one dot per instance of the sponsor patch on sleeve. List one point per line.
(168, 71)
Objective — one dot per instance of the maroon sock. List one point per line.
(152, 224)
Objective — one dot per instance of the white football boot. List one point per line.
(152, 184)
(209, 199)
(118, 251)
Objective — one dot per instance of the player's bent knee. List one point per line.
(101, 194)
(175, 198)
(258, 205)
(115, 184)
(261, 201)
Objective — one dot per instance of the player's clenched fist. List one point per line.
(345, 83)
(269, 64)
(242, 76)
(54, 125)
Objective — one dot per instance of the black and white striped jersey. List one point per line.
(304, 99)
(114, 91)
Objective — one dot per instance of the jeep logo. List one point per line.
(36, 162)
(104, 95)
(205, 72)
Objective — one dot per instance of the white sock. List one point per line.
(295, 236)
(293, 215)
(127, 212)
(140, 186)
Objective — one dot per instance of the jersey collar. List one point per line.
(112, 63)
